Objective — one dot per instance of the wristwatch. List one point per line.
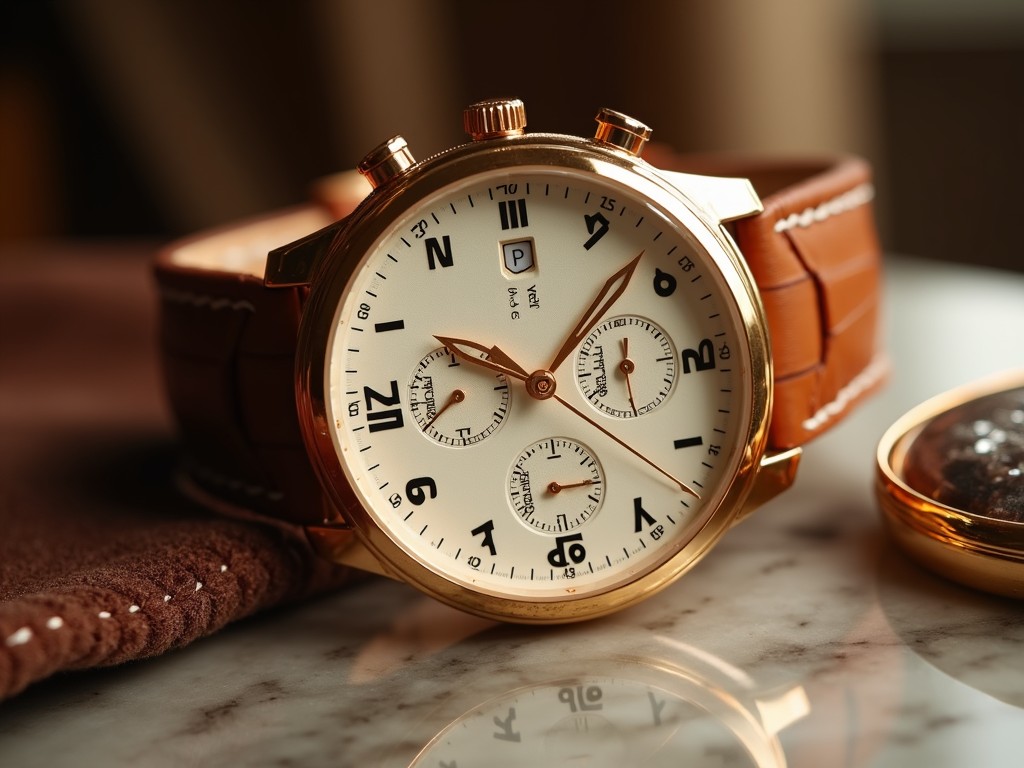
(534, 376)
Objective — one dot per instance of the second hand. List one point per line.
(628, 447)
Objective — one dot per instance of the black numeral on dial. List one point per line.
(567, 549)
(439, 252)
(597, 226)
(487, 531)
(641, 516)
(414, 489)
(700, 359)
(378, 419)
(664, 283)
(513, 213)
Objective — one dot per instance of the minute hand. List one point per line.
(614, 287)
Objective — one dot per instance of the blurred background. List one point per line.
(148, 119)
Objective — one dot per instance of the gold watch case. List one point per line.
(977, 546)
(700, 205)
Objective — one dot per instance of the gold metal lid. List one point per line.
(950, 484)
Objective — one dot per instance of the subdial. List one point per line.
(626, 367)
(556, 484)
(455, 403)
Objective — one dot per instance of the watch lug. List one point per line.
(776, 473)
(339, 544)
(293, 264)
(725, 198)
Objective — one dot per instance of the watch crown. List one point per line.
(621, 131)
(385, 161)
(494, 119)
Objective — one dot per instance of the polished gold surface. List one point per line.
(776, 473)
(983, 552)
(494, 119)
(622, 131)
(386, 161)
(293, 264)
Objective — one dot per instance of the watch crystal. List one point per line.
(596, 384)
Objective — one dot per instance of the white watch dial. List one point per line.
(475, 323)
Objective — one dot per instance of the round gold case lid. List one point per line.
(950, 484)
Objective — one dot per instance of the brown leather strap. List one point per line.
(229, 343)
(228, 349)
(815, 256)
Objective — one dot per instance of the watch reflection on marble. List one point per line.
(694, 710)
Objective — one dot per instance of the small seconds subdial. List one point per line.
(626, 367)
(456, 404)
(556, 484)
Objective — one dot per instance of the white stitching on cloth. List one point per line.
(18, 637)
(847, 201)
(25, 635)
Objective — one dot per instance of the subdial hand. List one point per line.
(610, 292)
(627, 367)
(457, 396)
(554, 487)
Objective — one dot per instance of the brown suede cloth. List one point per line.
(101, 560)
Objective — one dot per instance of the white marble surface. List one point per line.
(805, 633)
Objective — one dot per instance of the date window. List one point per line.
(518, 256)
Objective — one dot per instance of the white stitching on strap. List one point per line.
(863, 381)
(847, 201)
(203, 300)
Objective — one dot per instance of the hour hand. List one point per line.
(610, 292)
(495, 359)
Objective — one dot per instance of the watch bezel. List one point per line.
(377, 215)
